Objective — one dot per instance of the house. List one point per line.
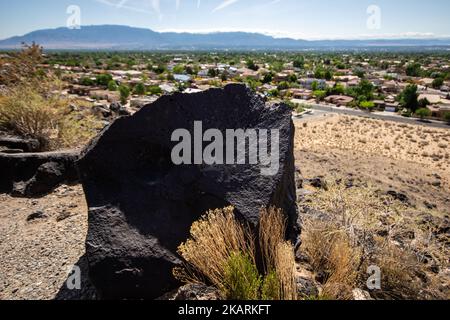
(182, 77)
(303, 94)
(248, 73)
(110, 96)
(307, 83)
(167, 88)
(439, 111)
(339, 100)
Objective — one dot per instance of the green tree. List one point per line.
(268, 77)
(124, 93)
(155, 90)
(283, 86)
(409, 98)
(251, 65)
(299, 63)
(437, 83)
(315, 86)
(320, 94)
(103, 79)
(367, 105)
(178, 69)
(447, 117)
(423, 113)
(139, 89)
(87, 81)
(112, 86)
(413, 70)
(423, 103)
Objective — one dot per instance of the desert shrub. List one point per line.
(271, 287)
(221, 251)
(23, 64)
(34, 112)
(399, 270)
(331, 253)
(343, 242)
(241, 278)
(214, 239)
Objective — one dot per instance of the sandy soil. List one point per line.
(37, 255)
(412, 160)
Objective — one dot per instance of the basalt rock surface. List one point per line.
(142, 205)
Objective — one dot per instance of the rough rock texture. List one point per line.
(36, 174)
(193, 292)
(17, 143)
(142, 205)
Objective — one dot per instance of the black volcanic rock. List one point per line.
(36, 174)
(141, 205)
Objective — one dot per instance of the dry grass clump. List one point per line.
(214, 239)
(41, 113)
(222, 252)
(278, 254)
(361, 228)
(332, 254)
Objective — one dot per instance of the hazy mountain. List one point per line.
(110, 37)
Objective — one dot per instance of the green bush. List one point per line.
(271, 287)
(124, 93)
(447, 117)
(242, 280)
(155, 90)
(423, 113)
(139, 89)
(112, 86)
(367, 105)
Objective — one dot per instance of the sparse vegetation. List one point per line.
(221, 252)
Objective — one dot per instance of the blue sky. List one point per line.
(306, 19)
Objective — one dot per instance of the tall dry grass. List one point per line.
(222, 252)
(39, 112)
(343, 242)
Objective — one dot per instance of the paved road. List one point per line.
(324, 109)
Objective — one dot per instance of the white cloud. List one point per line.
(224, 5)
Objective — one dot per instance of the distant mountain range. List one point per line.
(112, 37)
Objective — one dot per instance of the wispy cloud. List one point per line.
(224, 5)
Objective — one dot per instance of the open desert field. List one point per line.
(410, 160)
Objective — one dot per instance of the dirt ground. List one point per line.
(412, 160)
(37, 254)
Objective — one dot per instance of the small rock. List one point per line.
(307, 287)
(36, 215)
(318, 182)
(361, 295)
(63, 216)
(430, 206)
(398, 196)
(436, 183)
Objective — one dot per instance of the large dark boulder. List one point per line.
(36, 174)
(142, 205)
